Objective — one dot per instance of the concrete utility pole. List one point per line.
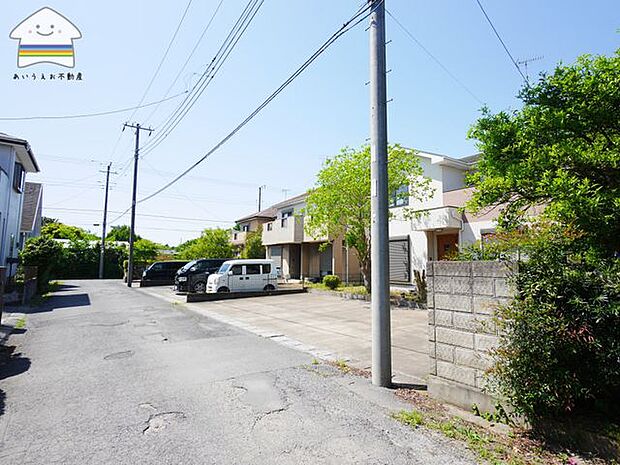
(105, 219)
(379, 235)
(132, 232)
(260, 197)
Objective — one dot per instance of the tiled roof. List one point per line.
(30, 207)
(272, 211)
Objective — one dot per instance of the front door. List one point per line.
(446, 244)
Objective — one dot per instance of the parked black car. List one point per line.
(193, 276)
(162, 272)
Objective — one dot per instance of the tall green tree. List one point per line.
(560, 152)
(253, 247)
(57, 230)
(121, 234)
(339, 204)
(553, 170)
(213, 243)
(146, 251)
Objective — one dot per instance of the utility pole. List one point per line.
(260, 197)
(105, 219)
(379, 235)
(132, 232)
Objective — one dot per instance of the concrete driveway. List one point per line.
(329, 326)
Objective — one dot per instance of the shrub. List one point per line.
(560, 337)
(42, 252)
(331, 281)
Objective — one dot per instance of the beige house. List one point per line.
(297, 254)
(248, 224)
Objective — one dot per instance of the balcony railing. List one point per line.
(437, 218)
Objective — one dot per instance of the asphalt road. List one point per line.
(103, 374)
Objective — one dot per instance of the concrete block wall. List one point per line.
(462, 299)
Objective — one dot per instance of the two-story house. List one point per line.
(250, 223)
(300, 255)
(16, 159)
(436, 229)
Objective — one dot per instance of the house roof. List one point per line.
(24, 152)
(272, 211)
(33, 193)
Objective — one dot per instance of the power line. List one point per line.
(166, 217)
(433, 57)
(200, 39)
(89, 115)
(163, 58)
(347, 26)
(229, 44)
(501, 41)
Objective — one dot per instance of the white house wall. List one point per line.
(10, 206)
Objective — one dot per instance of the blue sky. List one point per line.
(283, 148)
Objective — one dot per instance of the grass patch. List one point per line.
(21, 323)
(486, 446)
(346, 289)
(343, 366)
(512, 445)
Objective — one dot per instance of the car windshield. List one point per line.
(188, 266)
(224, 268)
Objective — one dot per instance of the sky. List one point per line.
(283, 148)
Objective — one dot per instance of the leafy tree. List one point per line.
(254, 247)
(560, 154)
(560, 151)
(146, 251)
(121, 234)
(340, 202)
(213, 243)
(57, 230)
(42, 252)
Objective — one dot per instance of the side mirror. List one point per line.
(230, 273)
(193, 268)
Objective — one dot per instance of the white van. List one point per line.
(244, 276)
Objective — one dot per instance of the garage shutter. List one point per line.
(400, 268)
(275, 252)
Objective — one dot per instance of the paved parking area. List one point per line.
(329, 325)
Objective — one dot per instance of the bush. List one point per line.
(331, 281)
(560, 337)
(42, 252)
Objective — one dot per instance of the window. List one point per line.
(266, 269)
(18, 177)
(400, 198)
(235, 236)
(285, 216)
(252, 269)
(237, 269)
(246, 228)
(269, 226)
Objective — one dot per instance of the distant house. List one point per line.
(32, 212)
(296, 253)
(16, 160)
(250, 223)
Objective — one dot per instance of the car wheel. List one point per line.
(269, 287)
(223, 289)
(200, 287)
